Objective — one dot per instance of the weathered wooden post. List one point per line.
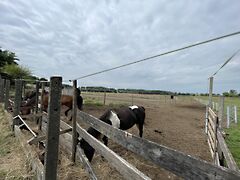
(74, 121)
(210, 91)
(36, 102)
(23, 88)
(132, 99)
(221, 111)
(53, 125)
(104, 98)
(7, 89)
(1, 89)
(41, 106)
(18, 97)
(206, 120)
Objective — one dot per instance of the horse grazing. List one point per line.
(66, 100)
(28, 103)
(123, 118)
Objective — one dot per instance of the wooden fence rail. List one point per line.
(218, 147)
(177, 162)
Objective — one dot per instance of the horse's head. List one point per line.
(29, 95)
(88, 150)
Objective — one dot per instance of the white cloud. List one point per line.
(75, 38)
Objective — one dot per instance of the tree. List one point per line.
(6, 58)
(17, 71)
(233, 92)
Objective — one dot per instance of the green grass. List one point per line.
(233, 142)
(92, 101)
(233, 139)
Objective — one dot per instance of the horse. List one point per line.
(123, 118)
(28, 103)
(66, 100)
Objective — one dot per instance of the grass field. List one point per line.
(233, 138)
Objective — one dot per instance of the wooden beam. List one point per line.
(66, 144)
(25, 124)
(227, 154)
(177, 162)
(121, 165)
(86, 164)
(35, 140)
(210, 91)
(7, 90)
(36, 101)
(74, 121)
(53, 125)
(32, 115)
(18, 97)
(37, 166)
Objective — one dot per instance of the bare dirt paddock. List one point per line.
(175, 124)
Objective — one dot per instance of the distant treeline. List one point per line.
(135, 91)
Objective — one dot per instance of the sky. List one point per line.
(73, 38)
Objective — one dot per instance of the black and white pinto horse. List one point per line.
(123, 118)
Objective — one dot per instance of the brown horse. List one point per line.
(66, 100)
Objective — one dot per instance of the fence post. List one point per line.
(235, 114)
(36, 103)
(23, 88)
(7, 89)
(221, 111)
(41, 106)
(1, 89)
(74, 119)
(132, 99)
(206, 120)
(228, 116)
(18, 97)
(53, 125)
(210, 91)
(104, 98)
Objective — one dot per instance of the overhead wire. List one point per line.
(158, 55)
(226, 62)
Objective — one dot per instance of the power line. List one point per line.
(226, 62)
(158, 55)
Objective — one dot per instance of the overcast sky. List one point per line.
(73, 38)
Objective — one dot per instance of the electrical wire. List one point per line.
(158, 55)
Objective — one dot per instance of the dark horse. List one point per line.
(66, 100)
(123, 118)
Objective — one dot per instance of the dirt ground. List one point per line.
(177, 124)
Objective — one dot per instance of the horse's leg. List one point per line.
(140, 127)
(105, 140)
(66, 112)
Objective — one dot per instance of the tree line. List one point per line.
(10, 68)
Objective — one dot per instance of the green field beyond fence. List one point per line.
(233, 132)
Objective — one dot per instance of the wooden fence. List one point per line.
(217, 145)
(172, 160)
